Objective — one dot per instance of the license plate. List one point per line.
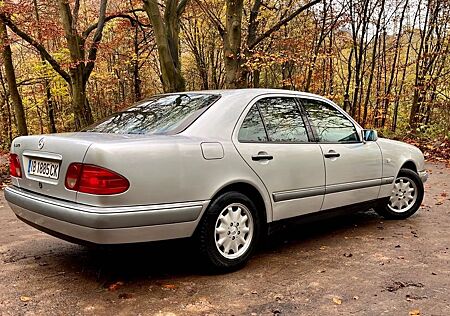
(42, 168)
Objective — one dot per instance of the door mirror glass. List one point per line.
(370, 135)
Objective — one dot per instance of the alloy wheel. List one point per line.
(234, 230)
(403, 196)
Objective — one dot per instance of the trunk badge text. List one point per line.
(41, 143)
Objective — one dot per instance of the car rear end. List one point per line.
(90, 186)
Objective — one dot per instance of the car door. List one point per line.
(272, 138)
(353, 167)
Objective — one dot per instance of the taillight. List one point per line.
(72, 176)
(14, 166)
(94, 180)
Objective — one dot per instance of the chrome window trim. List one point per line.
(248, 107)
(340, 110)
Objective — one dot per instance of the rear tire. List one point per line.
(406, 197)
(229, 231)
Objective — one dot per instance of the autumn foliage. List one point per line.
(385, 62)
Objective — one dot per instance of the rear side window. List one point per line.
(283, 120)
(330, 124)
(164, 114)
(252, 129)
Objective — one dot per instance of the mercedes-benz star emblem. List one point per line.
(41, 143)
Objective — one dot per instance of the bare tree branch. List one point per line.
(76, 10)
(55, 65)
(281, 23)
(133, 21)
(181, 6)
(92, 56)
(213, 18)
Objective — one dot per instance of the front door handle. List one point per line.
(262, 155)
(332, 154)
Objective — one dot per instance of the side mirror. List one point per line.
(369, 135)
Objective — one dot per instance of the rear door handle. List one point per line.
(332, 154)
(262, 156)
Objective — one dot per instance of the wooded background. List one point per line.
(66, 63)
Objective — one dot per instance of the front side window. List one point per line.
(283, 120)
(252, 129)
(331, 125)
(158, 115)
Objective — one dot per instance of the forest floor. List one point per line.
(358, 264)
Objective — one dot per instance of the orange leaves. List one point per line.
(115, 286)
(434, 150)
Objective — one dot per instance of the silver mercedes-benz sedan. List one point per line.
(221, 166)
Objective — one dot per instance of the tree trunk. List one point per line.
(387, 98)
(80, 105)
(78, 81)
(136, 79)
(232, 44)
(402, 80)
(6, 115)
(359, 50)
(166, 34)
(419, 84)
(372, 65)
(347, 103)
(317, 45)
(12, 83)
(48, 92)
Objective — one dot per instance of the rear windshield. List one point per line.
(166, 114)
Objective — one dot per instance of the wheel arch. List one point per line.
(408, 164)
(251, 191)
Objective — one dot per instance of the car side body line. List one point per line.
(297, 194)
(387, 180)
(352, 186)
(302, 193)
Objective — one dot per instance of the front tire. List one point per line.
(406, 196)
(229, 231)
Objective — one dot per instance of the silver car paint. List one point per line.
(395, 155)
(186, 168)
(295, 167)
(52, 146)
(141, 233)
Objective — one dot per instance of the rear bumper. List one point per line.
(106, 225)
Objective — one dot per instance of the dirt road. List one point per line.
(353, 265)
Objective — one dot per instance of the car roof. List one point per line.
(252, 92)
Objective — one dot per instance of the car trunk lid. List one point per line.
(44, 160)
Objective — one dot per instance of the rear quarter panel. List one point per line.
(168, 170)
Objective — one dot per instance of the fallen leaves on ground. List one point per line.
(125, 296)
(115, 286)
(398, 285)
(433, 149)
